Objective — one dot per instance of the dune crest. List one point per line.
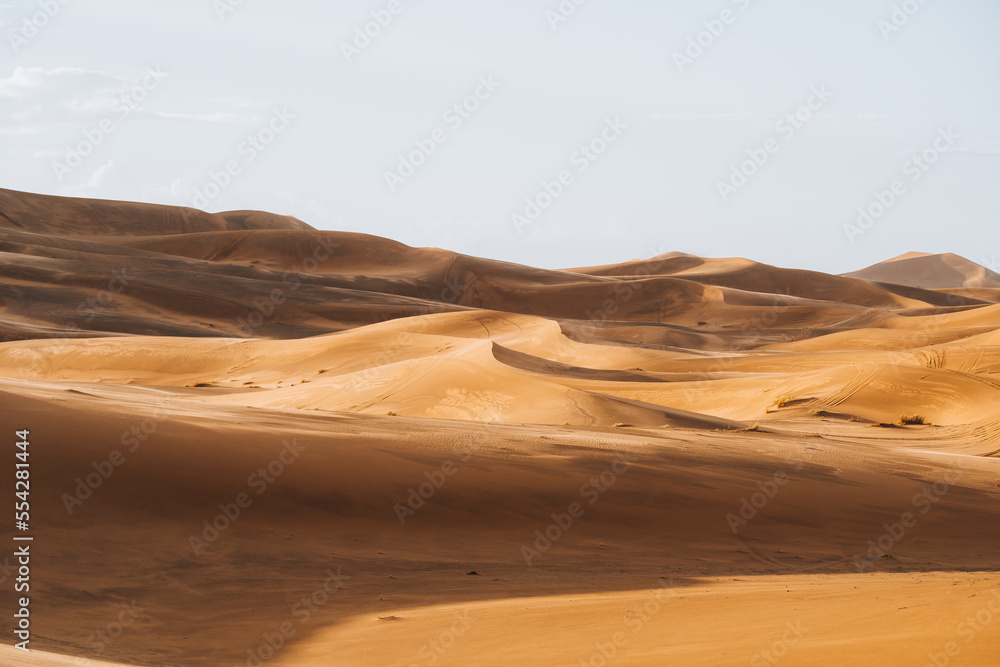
(926, 270)
(255, 442)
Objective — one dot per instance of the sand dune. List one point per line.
(665, 624)
(496, 367)
(665, 516)
(11, 656)
(918, 269)
(65, 274)
(259, 443)
(71, 216)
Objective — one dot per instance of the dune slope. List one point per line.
(253, 442)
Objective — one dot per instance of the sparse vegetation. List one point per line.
(753, 427)
(781, 402)
(390, 414)
(912, 420)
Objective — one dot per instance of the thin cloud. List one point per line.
(205, 117)
(41, 98)
(830, 119)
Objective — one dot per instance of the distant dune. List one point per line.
(254, 442)
(918, 269)
(71, 216)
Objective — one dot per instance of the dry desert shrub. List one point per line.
(912, 420)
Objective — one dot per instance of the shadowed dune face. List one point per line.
(460, 461)
(71, 216)
(80, 268)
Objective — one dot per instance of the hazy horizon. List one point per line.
(312, 114)
(269, 439)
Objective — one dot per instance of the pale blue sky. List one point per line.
(655, 189)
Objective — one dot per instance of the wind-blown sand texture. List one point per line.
(440, 459)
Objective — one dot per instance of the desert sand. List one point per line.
(254, 442)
